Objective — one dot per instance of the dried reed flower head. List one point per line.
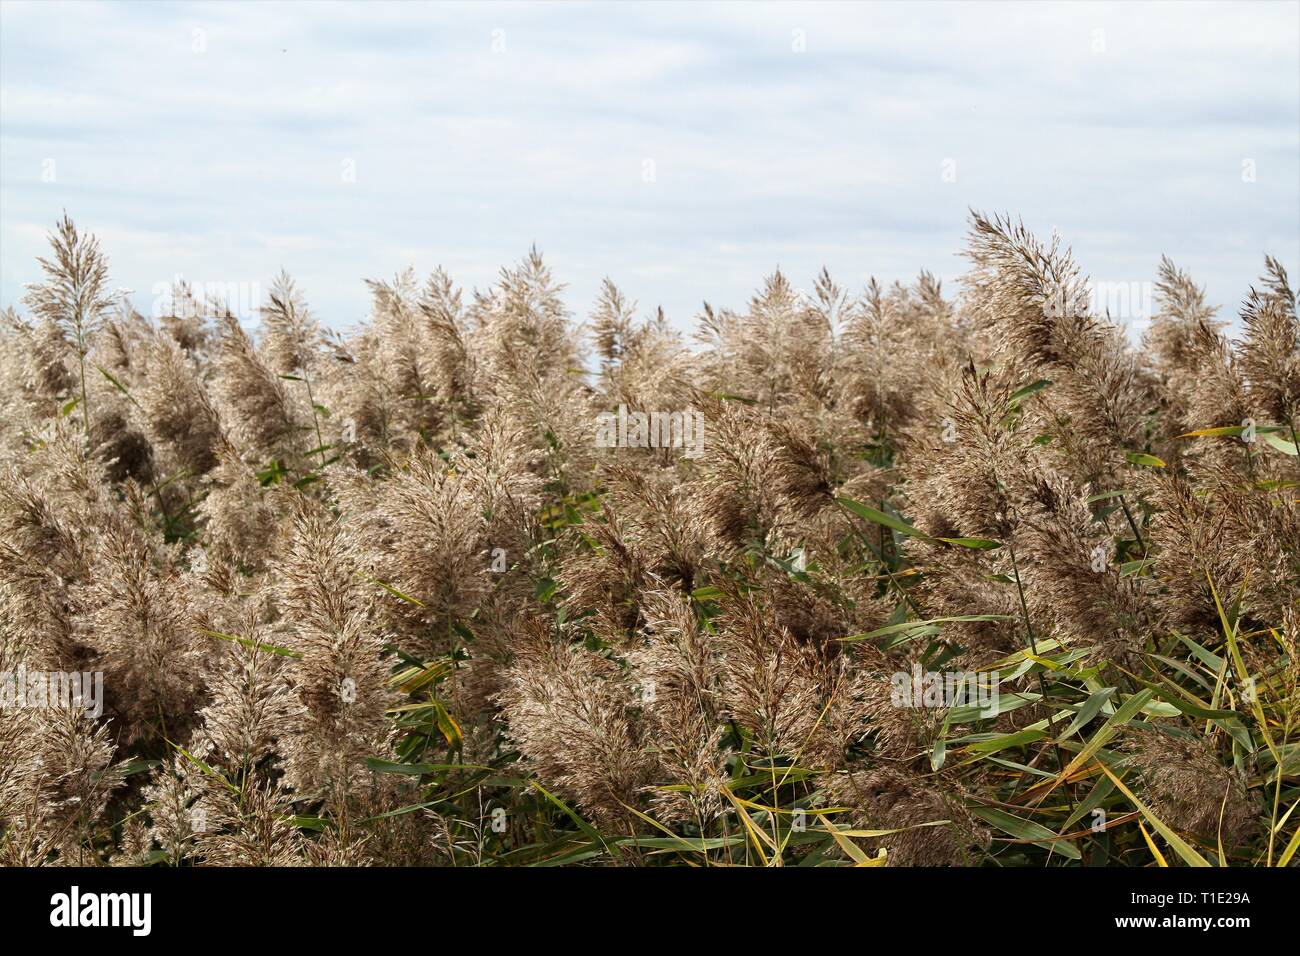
(570, 713)
(890, 799)
(177, 409)
(1271, 351)
(75, 293)
(151, 659)
(1036, 298)
(1189, 788)
(769, 685)
(340, 677)
(253, 399)
(291, 337)
(678, 674)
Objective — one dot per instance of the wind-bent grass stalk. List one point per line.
(1133, 526)
(85, 395)
(1042, 684)
(315, 417)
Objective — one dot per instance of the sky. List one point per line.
(685, 151)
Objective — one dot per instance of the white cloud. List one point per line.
(230, 160)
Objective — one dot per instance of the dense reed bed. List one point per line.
(387, 598)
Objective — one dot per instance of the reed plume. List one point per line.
(381, 597)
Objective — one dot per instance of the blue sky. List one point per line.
(684, 151)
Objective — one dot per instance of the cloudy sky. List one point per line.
(684, 151)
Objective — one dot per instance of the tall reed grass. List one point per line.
(382, 598)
